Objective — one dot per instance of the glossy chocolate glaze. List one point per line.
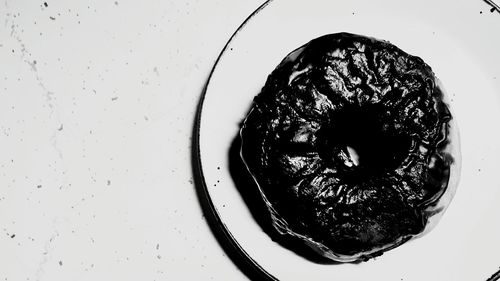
(347, 142)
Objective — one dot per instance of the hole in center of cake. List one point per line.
(361, 139)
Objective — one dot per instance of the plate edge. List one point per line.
(236, 253)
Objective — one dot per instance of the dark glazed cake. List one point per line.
(352, 146)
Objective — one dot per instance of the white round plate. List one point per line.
(460, 40)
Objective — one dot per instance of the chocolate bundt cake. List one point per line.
(352, 146)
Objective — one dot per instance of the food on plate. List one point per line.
(353, 146)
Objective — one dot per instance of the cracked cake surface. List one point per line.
(349, 142)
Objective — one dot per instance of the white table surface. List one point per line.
(97, 105)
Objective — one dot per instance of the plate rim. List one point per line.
(235, 251)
